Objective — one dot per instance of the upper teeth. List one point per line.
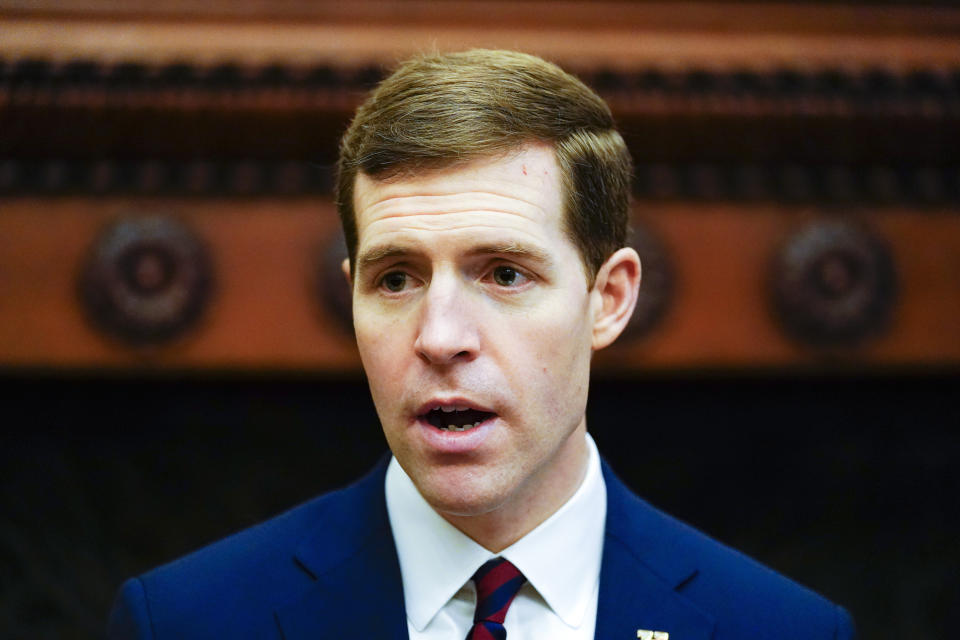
(451, 408)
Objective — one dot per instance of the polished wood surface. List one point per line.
(267, 311)
(577, 34)
(722, 318)
(263, 313)
(746, 120)
(571, 45)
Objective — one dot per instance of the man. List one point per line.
(484, 200)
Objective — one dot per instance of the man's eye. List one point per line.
(394, 281)
(507, 276)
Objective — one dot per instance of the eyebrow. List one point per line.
(513, 248)
(379, 253)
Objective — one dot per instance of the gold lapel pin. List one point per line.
(644, 634)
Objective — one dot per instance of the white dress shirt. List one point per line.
(560, 559)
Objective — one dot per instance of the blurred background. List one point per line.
(176, 358)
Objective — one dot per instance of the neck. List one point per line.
(538, 498)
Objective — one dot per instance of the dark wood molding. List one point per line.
(802, 91)
(746, 121)
(579, 35)
(880, 136)
(865, 17)
(844, 185)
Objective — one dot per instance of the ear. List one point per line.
(614, 296)
(345, 267)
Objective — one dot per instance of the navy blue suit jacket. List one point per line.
(329, 569)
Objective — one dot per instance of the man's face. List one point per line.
(474, 324)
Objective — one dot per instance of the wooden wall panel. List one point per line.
(746, 119)
(263, 313)
(579, 34)
(266, 311)
(722, 318)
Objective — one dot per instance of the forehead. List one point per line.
(519, 191)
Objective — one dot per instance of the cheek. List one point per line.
(562, 338)
(379, 361)
(378, 333)
(559, 366)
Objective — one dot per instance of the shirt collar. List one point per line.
(437, 559)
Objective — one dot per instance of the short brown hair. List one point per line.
(440, 110)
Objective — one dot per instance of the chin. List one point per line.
(459, 498)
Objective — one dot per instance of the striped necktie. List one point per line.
(497, 584)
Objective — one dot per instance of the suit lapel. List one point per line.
(361, 598)
(645, 562)
(356, 590)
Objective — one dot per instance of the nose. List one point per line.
(448, 324)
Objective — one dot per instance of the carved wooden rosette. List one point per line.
(657, 282)
(146, 280)
(833, 283)
(333, 291)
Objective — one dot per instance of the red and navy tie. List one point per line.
(497, 584)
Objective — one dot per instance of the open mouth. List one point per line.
(456, 418)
